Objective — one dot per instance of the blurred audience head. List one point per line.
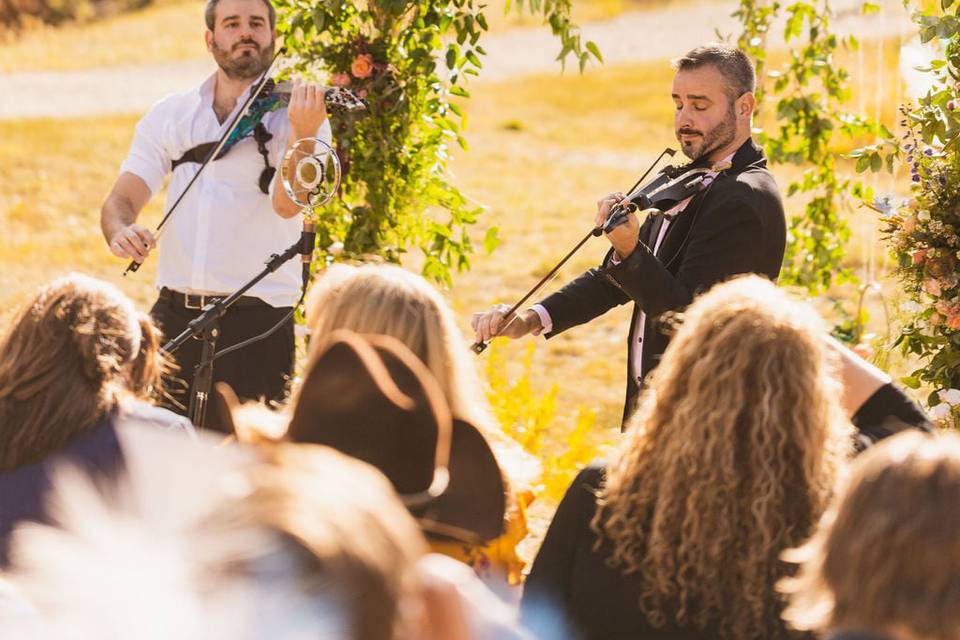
(731, 458)
(304, 542)
(70, 354)
(388, 300)
(885, 559)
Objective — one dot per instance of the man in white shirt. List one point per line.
(233, 218)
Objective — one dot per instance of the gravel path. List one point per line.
(661, 32)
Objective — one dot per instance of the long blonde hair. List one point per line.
(387, 300)
(887, 555)
(69, 356)
(731, 458)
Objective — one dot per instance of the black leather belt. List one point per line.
(196, 301)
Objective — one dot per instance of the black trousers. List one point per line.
(258, 371)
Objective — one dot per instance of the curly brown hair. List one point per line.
(731, 458)
(69, 355)
(887, 554)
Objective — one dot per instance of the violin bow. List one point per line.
(134, 265)
(481, 346)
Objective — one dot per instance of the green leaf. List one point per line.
(876, 162)
(474, 59)
(870, 8)
(491, 240)
(592, 48)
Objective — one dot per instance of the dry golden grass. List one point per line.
(56, 174)
(543, 150)
(166, 32)
(173, 31)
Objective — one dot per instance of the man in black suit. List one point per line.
(734, 225)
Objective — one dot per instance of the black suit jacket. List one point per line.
(735, 226)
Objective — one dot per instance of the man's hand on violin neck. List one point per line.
(307, 110)
(623, 237)
(132, 241)
(495, 322)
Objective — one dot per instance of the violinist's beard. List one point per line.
(247, 66)
(716, 138)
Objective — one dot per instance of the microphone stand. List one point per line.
(480, 346)
(206, 326)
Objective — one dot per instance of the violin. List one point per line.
(670, 188)
(673, 185)
(275, 95)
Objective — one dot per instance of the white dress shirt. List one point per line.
(225, 229)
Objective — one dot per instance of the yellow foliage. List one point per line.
(563, 445)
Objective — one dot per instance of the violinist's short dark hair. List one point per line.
(210, 13)
(732, 63)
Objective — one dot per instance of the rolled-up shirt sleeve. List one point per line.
(148, 157)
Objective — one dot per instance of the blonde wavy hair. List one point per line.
(731, 457)
(887, 555)
(388, 300)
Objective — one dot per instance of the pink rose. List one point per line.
(935, 320)
(944, 308)
(910, 224)
(362, 66)
(932, 286)
(340, 79)
(362, 94)
(918, 255)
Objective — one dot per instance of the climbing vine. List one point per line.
(810, 91)
(410, 59)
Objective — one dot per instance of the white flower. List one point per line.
(940, 412)
(923, 216)
(911, 307)
(950, 396)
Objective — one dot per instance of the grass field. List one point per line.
(543, 149)
(172, 30)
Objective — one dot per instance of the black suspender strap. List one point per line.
(260, 134)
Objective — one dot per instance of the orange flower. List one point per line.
(362, 66)
(953, 321)
(932, 286)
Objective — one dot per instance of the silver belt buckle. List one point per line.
(194, 301)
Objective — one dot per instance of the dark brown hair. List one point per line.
(68, 356)
(210, 13)
(732, 63)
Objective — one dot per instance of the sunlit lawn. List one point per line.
(172, 30)
(543, 149)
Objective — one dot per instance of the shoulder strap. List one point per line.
(200, 152)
